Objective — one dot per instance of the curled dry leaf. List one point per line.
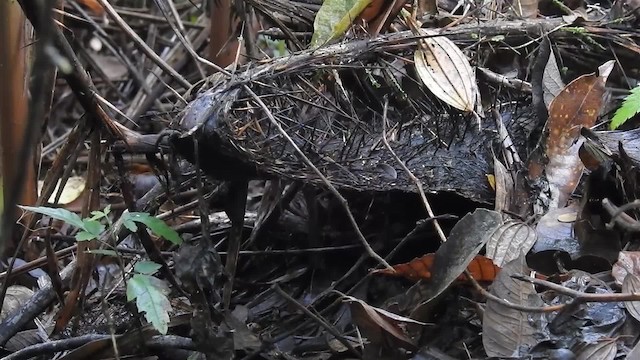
(577, 105)
(481, 268)
(446, 71)
(503, 185)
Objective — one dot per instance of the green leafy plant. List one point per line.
(630, 107)
(334, 18)
(91, 228)
(149, 292)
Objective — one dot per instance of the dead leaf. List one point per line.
(72, 190)
(635, 352)
(628, 263)
(375, 323)
(552, 83)
(93, 5)
(446, 71)
(467, 237)
(631, 284)
(508, 332)
(577, 105)
(503, 186)
(481, 268)
(509, 241)
(601, 350)
(16, 298)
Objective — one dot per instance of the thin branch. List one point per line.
(510, 305)
(413, 178)
(317, 319)
(143, 46)
(619, 217)
(578, 295)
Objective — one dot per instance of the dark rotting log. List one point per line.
(338, 125)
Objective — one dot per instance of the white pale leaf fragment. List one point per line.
(446, 71)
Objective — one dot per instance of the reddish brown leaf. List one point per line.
(93, 5)
(481, 268)
(577, 105)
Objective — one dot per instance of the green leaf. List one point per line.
(67, 216)
(150, 294)
(85, 236)
(629, 108)
(147, 267)
(334, 18)
(97, 215)
(128, 223)
(93, 227)
(103, 252)
(157, 226)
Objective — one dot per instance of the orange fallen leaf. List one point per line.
(93, 5)
(481, 268)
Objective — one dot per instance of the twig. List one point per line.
(169, 11)
(619, 217)
(143, 46)
(34, 306)
(156, 342)
(413, 178)
(324, 179)
(578, 295)
(318, 319)
(511, 83)
(490, 296)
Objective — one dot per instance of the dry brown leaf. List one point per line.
(577, 105)
(94, 6)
